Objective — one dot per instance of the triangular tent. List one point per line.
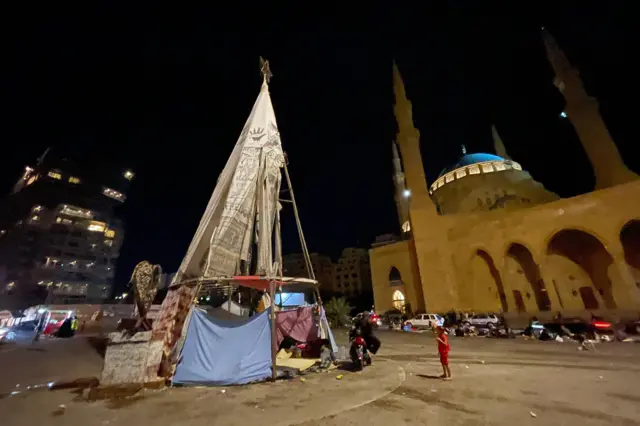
(238, 244)
(245, 200)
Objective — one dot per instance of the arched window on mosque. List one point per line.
(398, 300)
(395, 279)
(406, 227)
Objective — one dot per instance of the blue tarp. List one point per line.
(223, 352)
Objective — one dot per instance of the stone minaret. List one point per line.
(498, 145)
(408, 139)
(584, 114)
(401, 191)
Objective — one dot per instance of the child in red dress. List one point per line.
(443, 350)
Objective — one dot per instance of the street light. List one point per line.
(128, 175)
(563, 114)
(406, 193)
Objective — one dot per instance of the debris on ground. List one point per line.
(533, 414)
(60, 410)
(223, 391)
(339, 376)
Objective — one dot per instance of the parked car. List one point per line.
(482, 320)
(7, 334)
(425, 321)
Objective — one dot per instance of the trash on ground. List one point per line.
(533, 414)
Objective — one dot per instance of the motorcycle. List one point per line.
(358, 351)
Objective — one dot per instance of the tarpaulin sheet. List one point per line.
(298, 324)
(223, 352)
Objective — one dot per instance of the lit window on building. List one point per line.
(73, 179)
(32, 179)
(64, 221)
(76, 211)
(516, 166)
(440, 182)
(54, 175)
(11, 286)
(108, 243)
(449, 177)
(406, 227)
(486, 167)
(461, 173)
(110, 233)
(112, 193)
(35, 218)
(36, 209)
(128, 175)
(96, 226)
(474, 170)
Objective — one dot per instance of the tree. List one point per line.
(338, 311)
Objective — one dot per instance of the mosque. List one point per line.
(486, 237)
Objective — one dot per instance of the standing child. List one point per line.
(443, 350)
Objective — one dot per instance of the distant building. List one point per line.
(294, 266)
(59, 236)
(352, 273)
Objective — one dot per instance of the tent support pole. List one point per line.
(303, 242)
(272, 294)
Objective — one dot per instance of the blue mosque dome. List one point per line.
(470, 159)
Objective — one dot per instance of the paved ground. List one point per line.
(27, 364)
(495, 382)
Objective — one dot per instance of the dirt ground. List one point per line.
(495, 382)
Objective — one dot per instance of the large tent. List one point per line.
(238, 244)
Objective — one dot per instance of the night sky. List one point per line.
(166, 93)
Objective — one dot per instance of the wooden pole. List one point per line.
(303, 242)
(272, 293)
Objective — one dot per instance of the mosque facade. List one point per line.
(486, 237)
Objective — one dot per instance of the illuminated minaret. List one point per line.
(408, 139)
(583, 111)
(428, 245)
(401, 192)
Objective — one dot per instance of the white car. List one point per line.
(426, 321)
(7, 334)
(483, 320)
